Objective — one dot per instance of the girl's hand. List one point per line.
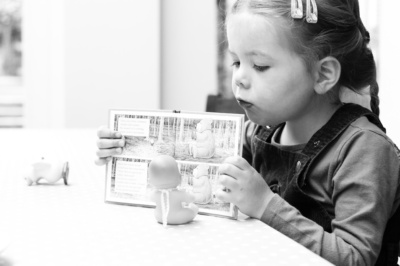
(109, 143)
(243, 186)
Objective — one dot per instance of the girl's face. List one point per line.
(269, 80)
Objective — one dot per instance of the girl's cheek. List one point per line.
(234, 89)
(233, 85)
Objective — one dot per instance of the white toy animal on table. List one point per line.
(173, 206)
(51, 171)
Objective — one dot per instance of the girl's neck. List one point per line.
(301, 130)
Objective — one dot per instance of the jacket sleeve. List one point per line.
(364, 180)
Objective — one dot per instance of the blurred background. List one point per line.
(64, 63)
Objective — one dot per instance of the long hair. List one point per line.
(339, 33)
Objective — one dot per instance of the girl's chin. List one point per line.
(256, 119)
(260, 120)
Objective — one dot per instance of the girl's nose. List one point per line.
(240, 80)
(239, 85)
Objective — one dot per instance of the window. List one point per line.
(11, 93)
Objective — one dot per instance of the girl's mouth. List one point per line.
(244, 104)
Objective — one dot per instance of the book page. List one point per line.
(199, 142)
(134, 127)
(130, 177)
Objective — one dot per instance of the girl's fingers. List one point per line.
(99, 162)
(230, 170)
(237, 161)
(223, 195)
(103, 153)
(110, 143)
(228, 182)
(104, 132)
(102, 161)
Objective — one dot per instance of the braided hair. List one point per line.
(367, 57)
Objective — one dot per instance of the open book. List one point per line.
(199, 142)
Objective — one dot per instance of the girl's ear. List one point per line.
(328, 74)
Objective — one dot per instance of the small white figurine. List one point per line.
(50, 171)
(173, 206)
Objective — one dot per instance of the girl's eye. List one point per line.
(260, 68)
(236, 64)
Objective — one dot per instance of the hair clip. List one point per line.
(297, 9)
(311, 16)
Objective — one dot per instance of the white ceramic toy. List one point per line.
(51, 171)
(173, 206)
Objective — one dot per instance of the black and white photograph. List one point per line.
(199, 132)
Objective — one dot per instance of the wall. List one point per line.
(389, 69)
(82, 57)
(43, 40)
(189, 53)
(112, 58)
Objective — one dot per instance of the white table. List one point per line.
(71, 225)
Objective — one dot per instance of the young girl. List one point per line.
(319, 171)
(334, 172)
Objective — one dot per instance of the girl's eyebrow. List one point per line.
(254, 53)
(258, 53)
